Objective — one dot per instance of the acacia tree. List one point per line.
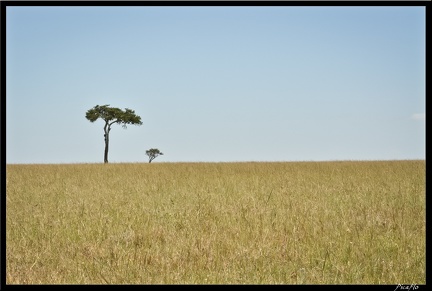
(112, 115)
(153, 154)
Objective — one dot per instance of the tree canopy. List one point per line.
(113, 115)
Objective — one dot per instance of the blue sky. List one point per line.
(216, 84)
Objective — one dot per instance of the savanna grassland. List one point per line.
(351, 222)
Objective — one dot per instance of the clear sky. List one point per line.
(216, 84)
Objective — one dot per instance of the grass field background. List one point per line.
(347, 222)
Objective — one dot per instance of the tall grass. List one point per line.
(216, 223)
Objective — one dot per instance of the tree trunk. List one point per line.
(106, 135)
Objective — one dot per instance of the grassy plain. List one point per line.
(351, 222)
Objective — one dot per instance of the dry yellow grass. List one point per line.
(216, 223)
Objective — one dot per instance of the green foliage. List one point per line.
(153, 154)
(113, 115)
